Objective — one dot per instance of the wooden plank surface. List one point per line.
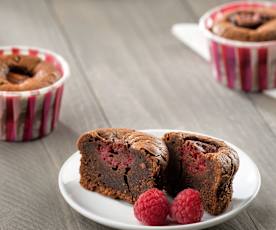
(127, 71)
(29, 195)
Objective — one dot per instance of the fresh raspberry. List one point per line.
(152, 207)
(187, 207)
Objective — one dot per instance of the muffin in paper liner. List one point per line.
(246, 66)
(32, 114)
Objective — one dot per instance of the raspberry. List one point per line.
(187, 207)
(152, 207)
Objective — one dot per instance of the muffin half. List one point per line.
(203, 163)
(122, 163)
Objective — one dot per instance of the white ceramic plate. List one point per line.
(119, 214)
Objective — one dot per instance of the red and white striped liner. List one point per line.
(248, 66)
(28, 115)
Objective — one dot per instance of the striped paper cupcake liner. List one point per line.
(28, 115)
(247, 66)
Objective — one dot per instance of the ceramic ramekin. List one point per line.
(248, 66)
(32, 114)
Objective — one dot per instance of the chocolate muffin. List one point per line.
(22, 72)
(250, 24)
(202, 163)
(122, 163)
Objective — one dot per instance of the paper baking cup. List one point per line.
(248, 66)
(27, 115)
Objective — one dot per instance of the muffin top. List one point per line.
(23, 72)
(247, 24)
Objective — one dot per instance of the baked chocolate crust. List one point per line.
(121, 163)
(250, 24)
(23, 72)
(203, 163)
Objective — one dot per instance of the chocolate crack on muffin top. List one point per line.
(202, 146)
(247, 24)
(248, 19)
(136, 140)
(22, 72)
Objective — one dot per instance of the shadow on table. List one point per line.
(62, 140)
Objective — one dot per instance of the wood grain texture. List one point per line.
(29, 195)
(127, 71)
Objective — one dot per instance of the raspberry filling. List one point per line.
(193, 155)
(115, 155)
(248, 19)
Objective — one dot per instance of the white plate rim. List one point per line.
(116, 224)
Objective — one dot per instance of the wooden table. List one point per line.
(127, 71)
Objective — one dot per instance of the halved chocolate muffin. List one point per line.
(203, 163)
(122, 163)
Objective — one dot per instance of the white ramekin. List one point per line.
(248, 66)
(32, 114)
